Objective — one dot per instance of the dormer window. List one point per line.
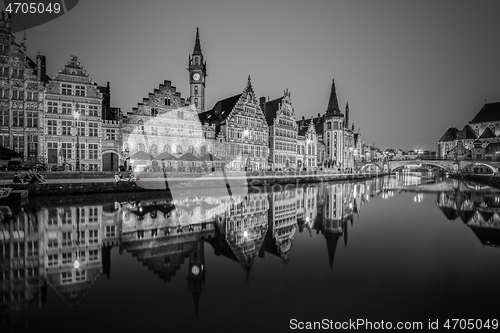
(167, 101)
(196, 61)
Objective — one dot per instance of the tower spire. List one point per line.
(347, 115)
(197, 45)
(333, 103)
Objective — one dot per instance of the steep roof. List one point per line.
(220, 111)
(271, 108)
(466, 133)
(488, 133)
(197, 44)
(304, 123)
(333, 103)
(489, 113)
(449, 135)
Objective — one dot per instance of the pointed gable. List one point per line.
(449, 135)
(489, 113)
(333, 103)
(488, 134)
(467, 133)
(197, 44)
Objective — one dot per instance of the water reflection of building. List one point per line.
(241, 230)
(72, 244)
(478, 209)
(282, 223)
(21, 260)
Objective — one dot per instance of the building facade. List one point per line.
(73, 113)
(283, 131)
(241, 125)
(21, 95)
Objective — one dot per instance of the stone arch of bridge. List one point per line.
(473, 164)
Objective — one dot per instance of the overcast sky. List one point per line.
(409, 69)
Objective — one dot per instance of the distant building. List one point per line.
(474, 138)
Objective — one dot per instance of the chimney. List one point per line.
(41, 64)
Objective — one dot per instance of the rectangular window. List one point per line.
(67, 258)
(93, 236)
(32, 96)
(52, 127)
(66, 240)
(66, 127)
(4, 140)
(52, 107)
(17, 73)
(17, 118)
(80, 90)
(81, 128)
(93, 151)
(93, 111)
(110, 134)
(32, 145)
(32, 119)
(82, 151)
(93, 129)
(66, 89)
(80, 275)
(4, 71)
(66, 150)
(93, 255)
(66, 277)
(4, 118)
(110, 231)
(66, 108)
(52, 260)
(18, 143)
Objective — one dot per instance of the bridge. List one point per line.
(446, 165)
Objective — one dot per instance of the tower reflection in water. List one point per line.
(67, 247)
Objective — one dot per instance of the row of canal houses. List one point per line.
(68, 119)
(66, 248)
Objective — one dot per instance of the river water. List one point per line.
(404, 248)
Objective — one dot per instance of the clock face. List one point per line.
(196, 76)
(195, 270)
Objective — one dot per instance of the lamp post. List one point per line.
(76, 115)
(246, 132)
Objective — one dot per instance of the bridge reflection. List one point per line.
(66, 248)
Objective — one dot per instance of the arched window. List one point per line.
(203, 150)
(196, 61)
(196, 90)
(191, 149)
(140, 147)
(335, 125)
(329, 125)
(196, 102)
(167, 148)
(154, 150)
(179, 149)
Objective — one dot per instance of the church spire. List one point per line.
(333, 103)
(197, 45)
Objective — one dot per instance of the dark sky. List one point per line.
(409, 69)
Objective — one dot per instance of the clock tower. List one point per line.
(196, 275)
(197, 74)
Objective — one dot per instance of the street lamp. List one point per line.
(76, 115)
(246, 133)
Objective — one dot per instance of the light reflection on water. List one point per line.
(374, 249)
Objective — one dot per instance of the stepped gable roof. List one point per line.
(490, 112)
(220, 111)
(487, 134)
(466, 133)
(450, 135)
